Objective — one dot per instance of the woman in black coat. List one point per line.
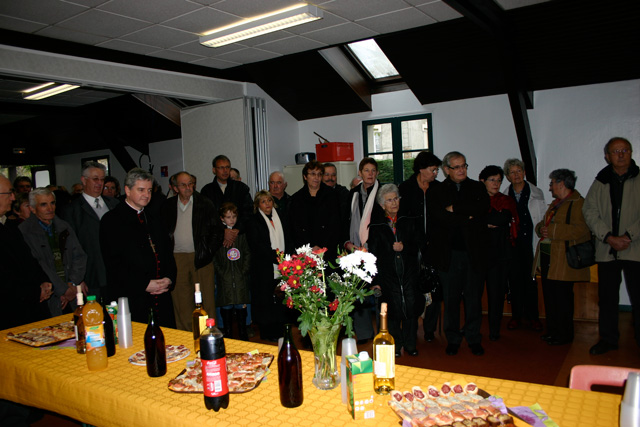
(393, 240)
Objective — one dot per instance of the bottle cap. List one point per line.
(197, 287)
(364, 355)
(78, 289)
(211, 322)
(113, 304)
(91, 298)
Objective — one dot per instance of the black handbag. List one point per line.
(429, 282)
(581, 255)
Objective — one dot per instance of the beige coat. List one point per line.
(559, 232)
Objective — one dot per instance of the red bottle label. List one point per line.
(214, 377)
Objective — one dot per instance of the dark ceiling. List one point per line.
(488, 51)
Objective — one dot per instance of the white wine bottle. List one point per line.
(199, 320)
(384, 357)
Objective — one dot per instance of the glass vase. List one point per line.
(325, 341)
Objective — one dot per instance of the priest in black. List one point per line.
(137, 253)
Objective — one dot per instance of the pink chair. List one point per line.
(584, 376)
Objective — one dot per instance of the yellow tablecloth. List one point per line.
(57, 379)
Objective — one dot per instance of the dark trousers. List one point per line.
(403, 316)
(431, 315)
(462, 282)
(558, 303)
(496, 290)
(362, 315)
(610, 276)
(524, 289)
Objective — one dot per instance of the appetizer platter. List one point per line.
(39, 337)
(450, 405)
(174, 353)
(245, 371)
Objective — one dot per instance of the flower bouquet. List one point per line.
(323, 313)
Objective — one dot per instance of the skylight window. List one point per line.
(373, 59)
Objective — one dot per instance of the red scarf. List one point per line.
(501, 202)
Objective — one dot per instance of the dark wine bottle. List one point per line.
(155, 351)
(290, 372)
(109, 332)
(214, 367)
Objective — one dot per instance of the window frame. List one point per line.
(396, 138)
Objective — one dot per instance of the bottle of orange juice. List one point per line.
(93, 316)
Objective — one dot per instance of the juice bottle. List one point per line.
(214, 367)
(94, 335)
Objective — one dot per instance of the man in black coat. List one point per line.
(137, 253)
(223, 189)
(458, 234)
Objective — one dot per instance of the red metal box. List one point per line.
(334, 152)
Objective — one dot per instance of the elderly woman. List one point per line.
(502, 222)
(414, 203)
(394, 241)
(20, 210)
(266, 236)
(563, 223)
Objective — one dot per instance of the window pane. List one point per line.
(415, 134)
(373, 59)
(385, 167)
(379, 138)
(407, 164)
(42, 178)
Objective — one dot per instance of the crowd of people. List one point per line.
(466, 232)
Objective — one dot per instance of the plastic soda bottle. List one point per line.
(94, 335)
(214, 367)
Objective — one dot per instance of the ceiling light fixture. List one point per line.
(45, 91)
(261, 25)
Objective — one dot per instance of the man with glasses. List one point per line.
(84, 215)
(196, 235)
(457, 231)
(612, 212)
(531, 208)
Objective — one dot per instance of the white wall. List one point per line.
(165, 153)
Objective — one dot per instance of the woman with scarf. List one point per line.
(393, 240)
(563, 223)
(502, 222)
(266, 235)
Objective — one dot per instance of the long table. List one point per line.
(57, 379)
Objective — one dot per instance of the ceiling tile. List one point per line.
(155, 11)
(439, 11)
(354, 10)
(251, 8)
(21, 25)
(104, 24)
(71, 35)
(216, 63)
(328, 20)
(291, 45)
(88, 3)
(160, 36)
(130, 47)
(34, 10)
(341, 33)
(246, 56)
(195, 48)
(201, 20)
(175, 56)
(512, 4)
(396, 21)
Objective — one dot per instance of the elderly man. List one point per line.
(136, 249)
(458, 236)
(84, 214)
(196, 235)
(531, 208)
(281, 199)
(612, 212)
(224, 189)
(56, 247)
(24, 285)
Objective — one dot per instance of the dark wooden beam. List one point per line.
(351, 75)
(123, 156)
(517, 100)
(161, 105)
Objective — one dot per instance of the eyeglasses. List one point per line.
(494, 180)
(554, 182)
(393, 200)
(516, 172)
(7, 192)
(317, 174)
(455, 168)
(187, 185)
(620, 151)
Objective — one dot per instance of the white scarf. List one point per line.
(276, 235)
(359, 228)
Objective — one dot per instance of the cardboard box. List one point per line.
(334, 152)
(360, 388)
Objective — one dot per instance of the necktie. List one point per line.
(97, 203)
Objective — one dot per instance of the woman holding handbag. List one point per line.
(562, 226)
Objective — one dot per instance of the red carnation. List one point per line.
(334, 305)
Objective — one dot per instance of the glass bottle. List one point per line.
(109, 332)
(198, 320)
(214, 367)
(384, 357)
(290, 372)
(154, 348)
(94, 335)
(78, 324)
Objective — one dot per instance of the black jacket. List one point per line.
(205, 224)
(412, 204)
(236, 192)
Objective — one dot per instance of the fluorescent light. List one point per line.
(261, 25)
(42, 86)
(41, 94)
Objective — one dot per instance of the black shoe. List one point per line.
(546, 337)
(477, 349)
(429, 336)
(494, 337)
(452, 349)
(560, 341)
(413, 352)
(602, 347)
(362, 341)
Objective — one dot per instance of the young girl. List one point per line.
(232, 271)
